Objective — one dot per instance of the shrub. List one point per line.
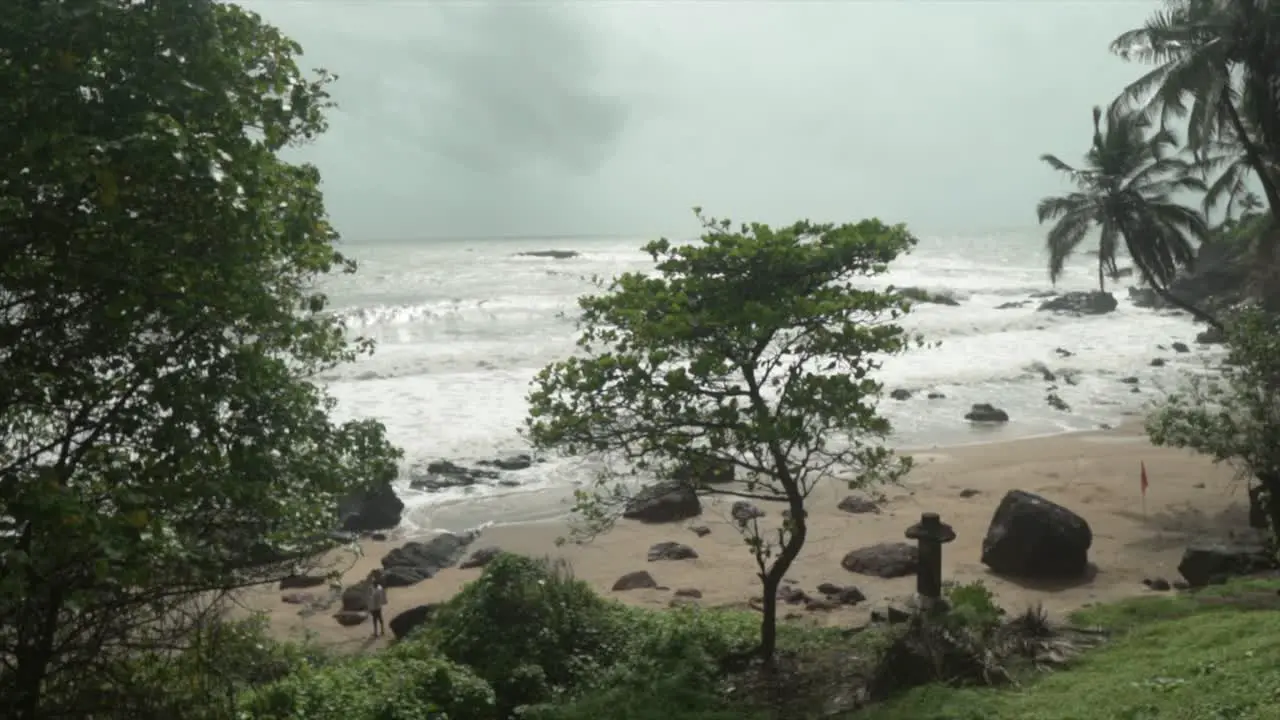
(973, 606)
(686, 644)
(406, 685)
(528, 628)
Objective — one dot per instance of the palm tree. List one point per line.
(1218, 66)
(1125, 192)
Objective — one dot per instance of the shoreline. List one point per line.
(1093, 473)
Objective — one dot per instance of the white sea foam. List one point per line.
(461, 330)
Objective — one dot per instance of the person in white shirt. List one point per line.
(377, 600)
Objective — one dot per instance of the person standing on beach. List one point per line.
(377, 600)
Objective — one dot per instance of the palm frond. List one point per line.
(1064, 237)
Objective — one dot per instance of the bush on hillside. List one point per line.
(409, 683)
(528, 628)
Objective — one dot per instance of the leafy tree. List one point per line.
(1217, 65)
(162, 441)
(751, 349)
(1125, 192)
(1234, 416)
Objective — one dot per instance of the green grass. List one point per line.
(1212, 656)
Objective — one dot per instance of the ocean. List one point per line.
(461, 328)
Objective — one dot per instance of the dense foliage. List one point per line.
(752, 349)
(161, 438)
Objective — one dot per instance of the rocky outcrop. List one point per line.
(639, 580)
(1208, 562)
(1082, 303)
(414, 562)
(669, 501)
(1145, 297)
(858, 505)
(671, 551)
(481, 557)
(444, 474)
(883, 560)
(378, 508)
(900, 394)
(744, 512)
(1034, 538)
(986, 413)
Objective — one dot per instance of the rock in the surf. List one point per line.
(986, 413)
(552, 254)
(378, 508)
(669, 501)
(1035, 538)
(442, 474)
(1082, 303)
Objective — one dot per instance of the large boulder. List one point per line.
(1034, 538)
(884, 560)
(1082, 303)
(409, 620)
(414, 561)
(378, 508)
(670, 501)
(1207, 562)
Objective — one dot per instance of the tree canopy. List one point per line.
(161, 436)
(754, 348)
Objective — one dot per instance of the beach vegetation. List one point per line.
(1233, 414)
(163, 439)
(754, 348)
(1126, 192)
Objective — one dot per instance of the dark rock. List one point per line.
(987, 413)
(510, 463)
(705, 472)
(1032, 537)
(1056, 402)
(1179, 347)
(701, 530)
(639, 580)
(743, 512)
(671, 551)
(375, 509)
(378, 537)
(1157, 362)
(409, 620)
(1044, 371)
(294, 582)
(1082, 303)
(415, 561)
(1212, 336)
(1130, 380)
(1181, 585)
(1145, 297)
(884, 560)
(968, 493)
(355, 598)
(842, 594)
(1207, 562)
(669, 501)
(857, 505)
(1070, 377)
(792, 595)
(298, 598)
(552, 254)
(350, 618)
(443, 474)
(1157, 584)
(937, 396)
(1013, 304)
(480, 557)
(688, 593)
(1063, 352)
(925, 296)
(900, 394)
(891, 614)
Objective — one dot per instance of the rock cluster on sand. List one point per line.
(414, 562)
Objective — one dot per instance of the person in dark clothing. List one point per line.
(377, 601)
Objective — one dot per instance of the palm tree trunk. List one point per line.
(1102, 276)
(1198, 313)
(1256, 161)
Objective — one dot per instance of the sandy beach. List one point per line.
(1095, 474)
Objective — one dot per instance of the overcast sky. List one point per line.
(472, 117)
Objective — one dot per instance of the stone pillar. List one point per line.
(930, 535)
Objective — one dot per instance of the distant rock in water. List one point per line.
(553, 254)
(1082, 303)
(444, 474)
(986, 413)
(925, 296)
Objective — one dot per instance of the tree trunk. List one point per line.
(1102, 276)
(1256, 161)
(1270, 483)
(772, 579)
(1199, 314)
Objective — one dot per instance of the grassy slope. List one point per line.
(1213, 656)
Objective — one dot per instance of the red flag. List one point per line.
(1144, 478)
